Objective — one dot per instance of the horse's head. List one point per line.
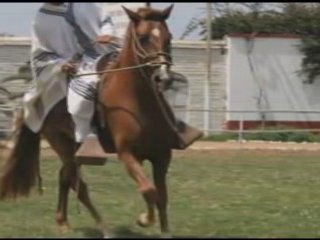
(151, 38)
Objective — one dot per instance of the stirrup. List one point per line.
(187, 134)
(91, 152)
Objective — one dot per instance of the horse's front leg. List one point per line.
(160, 166)
(146, 187)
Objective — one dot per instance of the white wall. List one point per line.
(189, 58)
(275, 65)
(118, 15)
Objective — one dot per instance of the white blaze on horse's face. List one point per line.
(156, 32)
(163, 71)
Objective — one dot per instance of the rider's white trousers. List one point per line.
(81, 100)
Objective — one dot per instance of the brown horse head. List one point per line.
(151, 39)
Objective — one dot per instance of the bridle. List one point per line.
(143, 59)
(142, 56)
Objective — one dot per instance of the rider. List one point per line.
(92, 28)
(65, 34)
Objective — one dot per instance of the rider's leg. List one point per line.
(176, 93)
(89, 150)
(80, 102)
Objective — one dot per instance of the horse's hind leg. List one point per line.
(160, 166)
(83, 195)
(146, 187)
(65, 148)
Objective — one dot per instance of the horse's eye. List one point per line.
(144, 38)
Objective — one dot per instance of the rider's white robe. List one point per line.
(60, 33)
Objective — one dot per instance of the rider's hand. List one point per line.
(68, 68)
(104, 39)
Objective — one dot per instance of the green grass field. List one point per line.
(212, 194)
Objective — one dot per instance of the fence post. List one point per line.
(208, 72)
(240, 133)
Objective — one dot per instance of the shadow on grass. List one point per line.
(90, 232)
(126, 232)
(120, 232)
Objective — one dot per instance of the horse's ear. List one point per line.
(166, 13)
(132, 15)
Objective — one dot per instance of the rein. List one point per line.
(119, 69)
(144, 55)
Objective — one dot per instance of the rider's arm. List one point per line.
(107, 32)
(42, 55)
(94, 22)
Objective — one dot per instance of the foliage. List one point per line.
(221, 137)
(311, 62)
(291, 18)
(270, 134)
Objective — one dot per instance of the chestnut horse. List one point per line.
(132, 124)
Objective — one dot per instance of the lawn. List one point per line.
(212, 194)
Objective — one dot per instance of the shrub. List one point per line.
(283, 136)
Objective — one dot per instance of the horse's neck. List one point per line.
(137, 79)
(127, 57)
(127, 60)
(135, 91)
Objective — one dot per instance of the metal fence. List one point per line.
(242, 119)
(7, 115)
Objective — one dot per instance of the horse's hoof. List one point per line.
(104, 230)
(106, 234)
(64, 229)
(143, 220)
(165, 235)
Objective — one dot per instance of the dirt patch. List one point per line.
(217, 148)
(256, 145)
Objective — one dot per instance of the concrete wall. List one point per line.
(13, 53)
(259, 73)
(263, 74)
(189, 58)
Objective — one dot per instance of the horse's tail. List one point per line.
(21, 169)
